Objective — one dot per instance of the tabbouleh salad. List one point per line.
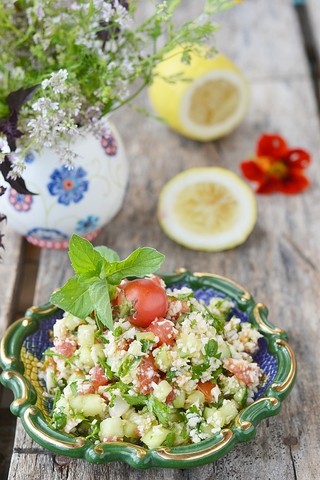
(169, 377)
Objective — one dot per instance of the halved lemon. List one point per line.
(210, 98)
(207, 208)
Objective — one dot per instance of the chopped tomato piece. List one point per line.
(164, 330)
(98, 377)
(170, 397)
(66, 347)
(246, 372)
(205, 388)
(147, 374)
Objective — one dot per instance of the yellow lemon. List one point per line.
(207, 208)
(210, 98)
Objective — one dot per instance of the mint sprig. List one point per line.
(98, 270)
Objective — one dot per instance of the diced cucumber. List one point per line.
(162, 390)
(155, 437)
(229, 409)
(241, 396)
(111, 428)
(181, 434)
(130, 429)
(214, 417)
(195, 398)
(205, 428)
(174, 416)
(75, 376)
(85, 356)
(179, 399)
(86, 335)
(97, 352)
(71, 322)
(208, 412)
(128, 413)
(119, 407)
(145, 336)
(224, 349)
(163, 359)
(89, 405)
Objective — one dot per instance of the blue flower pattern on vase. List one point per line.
(29, 156)
(68, 184)
(87, 224)
(47, 234)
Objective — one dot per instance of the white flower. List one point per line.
(4, 147)
(18, 165)
(57, 81)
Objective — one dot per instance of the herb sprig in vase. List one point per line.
(66, 66)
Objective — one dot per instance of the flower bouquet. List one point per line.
(66, 65)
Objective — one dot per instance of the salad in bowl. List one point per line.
(169, 370)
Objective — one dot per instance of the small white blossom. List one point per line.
(4, 147)
(18, 165)
(57, 81)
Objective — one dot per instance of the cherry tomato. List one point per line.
(147, 374)
(205, 388)
(148, 298)
(164, 330)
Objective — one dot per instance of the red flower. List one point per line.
(276, 167)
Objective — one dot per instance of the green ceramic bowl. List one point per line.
(25, 340)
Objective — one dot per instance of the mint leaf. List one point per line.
(74, 297)
(84, 258)
(98, 272)
(139, 263)
(107, 253)
(100, 299)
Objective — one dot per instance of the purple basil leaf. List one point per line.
(9, 126)
(18, 184)
(16, 99)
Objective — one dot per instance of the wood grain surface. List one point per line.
(279, 263)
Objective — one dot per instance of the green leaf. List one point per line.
(135, 400)
(74, 297)
(139, 263)
(160, 409)
(170, 440)
(100, 299)
(211, 348)
(107, 253)
(85, 259)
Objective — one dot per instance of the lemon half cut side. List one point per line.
(207, 208)
(210, 98)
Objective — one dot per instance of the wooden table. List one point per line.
(279, 263)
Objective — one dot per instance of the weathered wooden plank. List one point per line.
(264, 38)
(9, 274)
(279, 262)
(314, 15)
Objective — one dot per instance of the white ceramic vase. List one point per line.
(81, 200)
